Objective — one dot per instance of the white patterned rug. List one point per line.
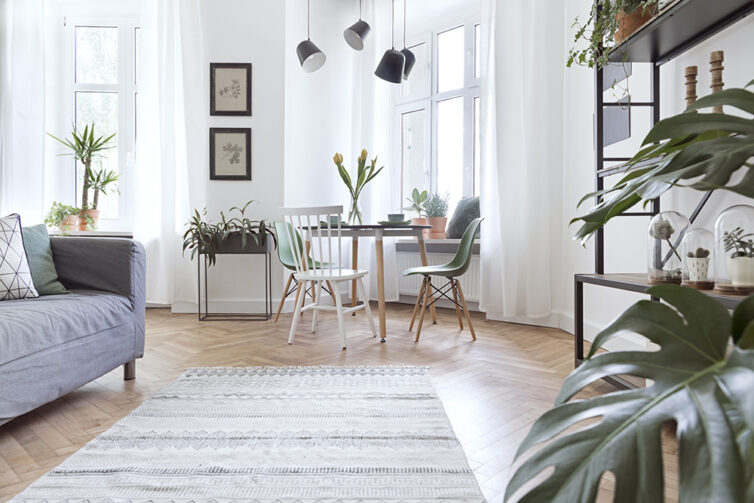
(269, 434)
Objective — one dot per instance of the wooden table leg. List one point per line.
(425, 261)
(354, 265)
(380, 282)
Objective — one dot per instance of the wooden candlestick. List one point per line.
(690, 73)
(716, 59)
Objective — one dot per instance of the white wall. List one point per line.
(626, 236)
(245, 31)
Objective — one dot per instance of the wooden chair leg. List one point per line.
(367, 308)
(282, 299)
(332, 292)
(297, 312)
(418, 301)
(427, 294)
(466, 310)
(453, 283)
(317, 300)
(341, 320)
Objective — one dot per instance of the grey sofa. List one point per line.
(51, 345)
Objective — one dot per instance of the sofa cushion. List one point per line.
(466, 211)
(15, 277)
(30, 326)
(39, 254)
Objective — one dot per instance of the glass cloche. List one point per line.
(698, 252)
(666, 233)
(734, 245)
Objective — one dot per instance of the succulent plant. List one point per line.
(436, 206)
(699, 253)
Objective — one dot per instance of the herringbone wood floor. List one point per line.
(492, 389)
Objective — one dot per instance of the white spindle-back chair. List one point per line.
(322, 263)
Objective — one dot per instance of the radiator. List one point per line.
(409, 285)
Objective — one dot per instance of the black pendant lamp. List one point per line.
(309, 55)
(393, 62)
(410, 57)
(357, 33)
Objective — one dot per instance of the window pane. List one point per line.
(416, 84)
(450, 150)
(477, 147)
(450, 55)
(100, 109)
(96, 55)
(477, 51)
(137, 54)
(414, 154)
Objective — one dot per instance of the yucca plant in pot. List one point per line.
(85, 148)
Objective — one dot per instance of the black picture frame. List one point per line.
(246, 154)
(214, 68)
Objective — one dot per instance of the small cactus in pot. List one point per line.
(698, 264)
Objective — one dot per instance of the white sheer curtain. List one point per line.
(22, 108)
(169, 123)
(522, 124)
(372, 120)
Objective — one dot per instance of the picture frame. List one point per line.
(230, 89)
(230, 153)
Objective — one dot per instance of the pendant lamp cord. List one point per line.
(404, 24)
(392, 22)
(360, 11)
(308, 30)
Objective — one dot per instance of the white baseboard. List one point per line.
(625, 342)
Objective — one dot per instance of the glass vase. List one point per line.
(354, 213)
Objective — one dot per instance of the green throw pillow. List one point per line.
(466, 211)
(38, 252)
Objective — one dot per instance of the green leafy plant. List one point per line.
(700, 151)
(417, 202)
(594, 37)
(699, 253)
(103, 181)
(436, 206)
(737, 240)
(208, 238)
(58, 213)
(84, 147)
(698, 384)
(364, 175)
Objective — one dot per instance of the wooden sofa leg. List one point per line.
(129, 370)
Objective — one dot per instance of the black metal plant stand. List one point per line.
(203, 279)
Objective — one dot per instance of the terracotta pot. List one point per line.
(629, 23)
(71, 223)
(421, 221)
(93, 214)
(438, 227)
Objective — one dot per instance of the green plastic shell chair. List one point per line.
(450, 271)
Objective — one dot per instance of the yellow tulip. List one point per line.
(338, 159)
(363, 154)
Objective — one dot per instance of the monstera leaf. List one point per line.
(697, 150)
(708, 395)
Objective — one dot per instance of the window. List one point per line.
(104, 90)
(437, 114)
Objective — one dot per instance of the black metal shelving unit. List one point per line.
(678, 27)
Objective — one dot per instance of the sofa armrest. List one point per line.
(105, 264)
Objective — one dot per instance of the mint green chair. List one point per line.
(451, 272)
(285, 254)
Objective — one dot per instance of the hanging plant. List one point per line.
(607, 19)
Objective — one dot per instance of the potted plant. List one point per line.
(417, 201)
(740, 263)
(608, 21)
(436, 208)
(698, 264)
(101, 182)
(85, 148)
(63, 217)
(234, 235)
(364, 175)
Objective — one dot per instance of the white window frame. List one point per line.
(429, 99)
(127, 89)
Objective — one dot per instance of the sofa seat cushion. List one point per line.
(30, 326)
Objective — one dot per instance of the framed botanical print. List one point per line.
(230, 153)
(230, 88)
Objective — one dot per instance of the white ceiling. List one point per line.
(432, 8)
